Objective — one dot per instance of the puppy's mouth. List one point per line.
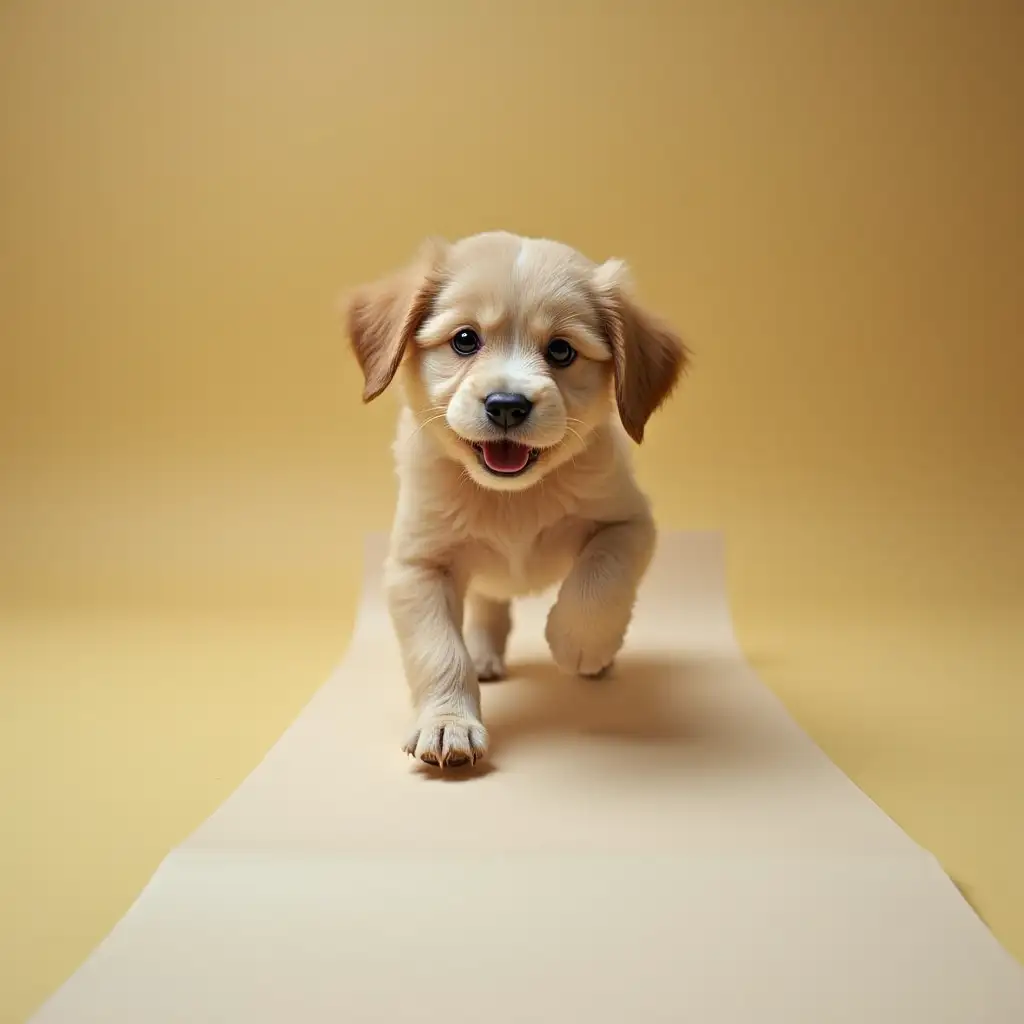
(505, 458)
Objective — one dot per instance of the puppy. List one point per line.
(524, 369)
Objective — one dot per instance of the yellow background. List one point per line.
(825, 197)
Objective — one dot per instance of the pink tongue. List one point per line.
(505, 456)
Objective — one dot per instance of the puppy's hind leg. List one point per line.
(488, 624)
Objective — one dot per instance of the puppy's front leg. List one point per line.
(426, 608)
(588, 623)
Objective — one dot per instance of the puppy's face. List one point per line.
(511, 369)
(511, 347)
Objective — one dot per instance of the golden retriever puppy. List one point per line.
(524, 370)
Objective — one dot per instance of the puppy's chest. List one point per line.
(512, 562)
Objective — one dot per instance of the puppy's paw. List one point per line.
(447, 740)
(490, 667)
(601, 673)
(582, 647)
(489, 664)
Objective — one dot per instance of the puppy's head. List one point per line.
(513, 351)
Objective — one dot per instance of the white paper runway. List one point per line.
(665, 845)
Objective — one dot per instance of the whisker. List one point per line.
(425, 423)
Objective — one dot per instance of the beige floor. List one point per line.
(121, 729)
(826, 199)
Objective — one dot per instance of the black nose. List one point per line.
(506, 410)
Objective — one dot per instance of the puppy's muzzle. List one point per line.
(507, 410)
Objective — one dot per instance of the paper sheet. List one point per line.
(666, 844)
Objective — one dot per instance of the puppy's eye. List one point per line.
(560, 352)
(466, 342)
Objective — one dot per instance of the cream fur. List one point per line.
(466, 542)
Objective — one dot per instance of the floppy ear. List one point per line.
(384, 316)
(647, 355)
